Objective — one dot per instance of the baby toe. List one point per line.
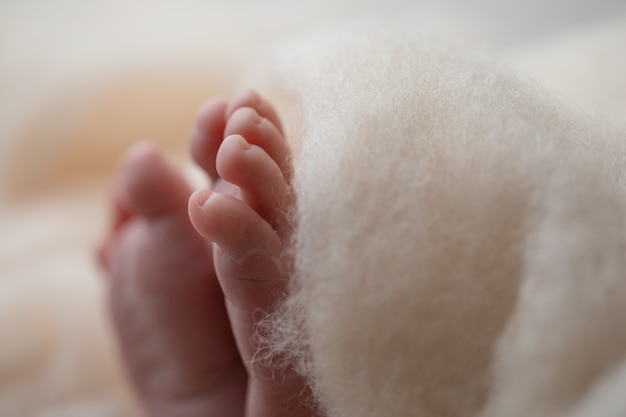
(250, 250)
(253, 100)
(261, 181)
(208, 134)
(262, 132)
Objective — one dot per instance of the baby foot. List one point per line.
(166, 303)
(246, 216)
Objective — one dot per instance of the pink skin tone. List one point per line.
(191, 275)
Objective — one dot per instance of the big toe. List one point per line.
(254, 270)
(148, 186)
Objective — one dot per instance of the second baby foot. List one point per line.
(166, 303)
(248, 222)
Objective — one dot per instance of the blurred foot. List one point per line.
(166, 303)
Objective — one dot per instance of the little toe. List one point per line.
(208, 134)
(263, 133)
(261, 181)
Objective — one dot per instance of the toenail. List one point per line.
(243, 144)
(202, 196)
(256, 119)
